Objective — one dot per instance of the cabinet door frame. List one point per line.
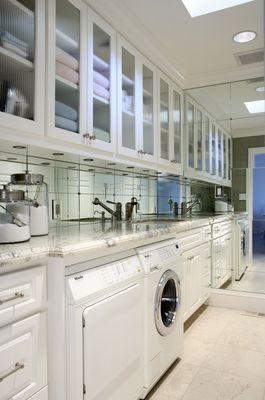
(51, 130)
(177, 166)
(99, 144)
(190, 169)
(162, 161)
(20, 124)
(139, 134)
(198, 171)
(206, 115)
(122, 43)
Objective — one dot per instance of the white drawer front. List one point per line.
(23, 358)
(190, 239)
(22, 293)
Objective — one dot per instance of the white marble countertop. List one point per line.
(65, 240)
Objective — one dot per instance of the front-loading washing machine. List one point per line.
(163, 320)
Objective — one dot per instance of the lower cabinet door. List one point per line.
(23, 358)
(206, 286)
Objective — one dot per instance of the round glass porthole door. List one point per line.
(167, 302)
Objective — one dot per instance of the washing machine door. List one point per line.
(167, 302)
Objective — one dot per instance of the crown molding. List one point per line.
(246, 132)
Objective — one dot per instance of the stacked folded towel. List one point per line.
(12, 43)
(65, 117)
(101, 85)
(67, 66)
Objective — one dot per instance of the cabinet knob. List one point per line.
(173, 161)
(86, 136)
(92, 137)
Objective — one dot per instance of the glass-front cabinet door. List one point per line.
(66, 102)
(22, 65)
(229, 148)
(191, 134)
(177, 126)
(207, 144)
(147, 140)
(199, 130)
(128, 89)
(224, 156)
(101, 121)
(164, 125)
(213, 149)
(220, 153)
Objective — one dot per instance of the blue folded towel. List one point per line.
(65, 111)
(67, 124)
(8, 37)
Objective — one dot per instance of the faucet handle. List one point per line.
(111, 202)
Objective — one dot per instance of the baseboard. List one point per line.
(253, 302)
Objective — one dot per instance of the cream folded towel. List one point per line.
(66, 59)
(66, 72)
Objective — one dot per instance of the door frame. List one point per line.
(252, 152)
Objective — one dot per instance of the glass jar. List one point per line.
(14, 216)
(36, 192)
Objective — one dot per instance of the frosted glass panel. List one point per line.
(213, 150)
(67, 66)
(128, 100)
(177, 126)
(229, 158)
(101, 84)
(207, 144)
(219, 153)
(190, 118)
(148, 111)
(17, 58)
(164, 119)
(225, 157)
(199, 140)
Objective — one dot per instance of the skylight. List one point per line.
(201, 7)
(255, 107)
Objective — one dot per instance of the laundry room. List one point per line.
(132, 211)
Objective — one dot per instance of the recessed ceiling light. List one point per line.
(244, 37)
(88, 159)
(19, 147)
(255, 107)
(260, 89)
(58, 154)
(201, 7)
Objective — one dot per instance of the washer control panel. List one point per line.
(154, 256)
(82, 285)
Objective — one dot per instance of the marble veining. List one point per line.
(70, 239)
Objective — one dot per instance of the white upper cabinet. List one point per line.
(81, 101)
(170, 146)
(136, 103)
(66, 70)
(208, 147)
(22, 65)
(101, 96)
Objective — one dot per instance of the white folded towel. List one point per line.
(100, 79)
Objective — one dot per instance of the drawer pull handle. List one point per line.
(18, 366)
(17, 295)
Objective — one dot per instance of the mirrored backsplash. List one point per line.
(74, 182)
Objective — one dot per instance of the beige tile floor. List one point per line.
(223, 359)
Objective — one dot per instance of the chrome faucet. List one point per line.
(115, 214)
(129, 208)
(187, 207)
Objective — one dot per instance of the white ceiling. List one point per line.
(201, 48)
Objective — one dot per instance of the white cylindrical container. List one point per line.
(14, 217)
(37, 196)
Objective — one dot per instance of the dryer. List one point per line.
(163, 317)
(105, 330)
